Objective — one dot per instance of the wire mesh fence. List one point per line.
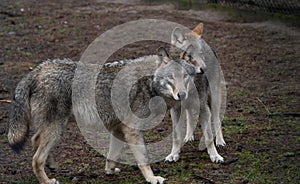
(273, 6)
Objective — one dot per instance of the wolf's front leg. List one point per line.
(135, 140)
(177, 141)
(190, 126)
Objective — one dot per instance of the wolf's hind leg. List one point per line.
(205, 120)
(137, 145)
(50, 162)
(115, 148)
(218, 130)
(216, 122)
(47, 137)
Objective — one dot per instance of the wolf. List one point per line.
(209, 94)
(44, 100)
(202, 91)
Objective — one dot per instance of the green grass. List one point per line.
(242, 93)
(252, 167)
(76, 30)
(8, 52)
(62, 31)
(235, 125)
(26, 53)
(48, 32)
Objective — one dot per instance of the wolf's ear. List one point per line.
(162, 52)
(177, 36)
(163, 55)
(198, 30)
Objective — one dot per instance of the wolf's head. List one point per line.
(173, 76)
(183, 40)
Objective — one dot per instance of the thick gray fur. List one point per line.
(43, 102)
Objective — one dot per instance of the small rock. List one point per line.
(75, 179)
(80, 171)
(39, 26)
(12, 33)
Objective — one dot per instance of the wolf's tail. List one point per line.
(18, 124)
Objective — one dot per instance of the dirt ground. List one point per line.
(260, 61)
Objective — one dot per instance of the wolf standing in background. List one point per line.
(43, 102)
(208, 93)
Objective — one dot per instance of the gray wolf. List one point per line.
(43, 102)
(201, 54)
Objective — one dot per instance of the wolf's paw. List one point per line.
(155, 179)
(220, 141)
(52, 181)
(216, 158)
(172, 157)
(189, 138)
(115, 171)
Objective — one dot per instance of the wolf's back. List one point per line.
(18, 125)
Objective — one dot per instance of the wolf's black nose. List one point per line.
(181, 95)
(200, 70)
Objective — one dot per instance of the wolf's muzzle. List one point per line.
(181, 95)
